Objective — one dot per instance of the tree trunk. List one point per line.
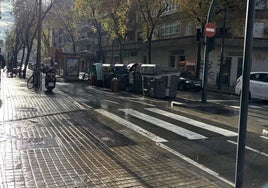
(22, 58)
(149, 51)
(29, 49)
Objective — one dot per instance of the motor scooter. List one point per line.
(50, 80)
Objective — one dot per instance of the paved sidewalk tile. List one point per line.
(43, 145)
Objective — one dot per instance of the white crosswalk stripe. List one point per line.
(165, 125)
(195, 123)
(132, 126)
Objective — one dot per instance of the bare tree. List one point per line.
(26, 25)
(92, 12)
(62, 16)
(115, 23)
(150, 14)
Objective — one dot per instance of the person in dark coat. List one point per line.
(2, 62)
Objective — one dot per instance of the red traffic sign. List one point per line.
(210, 29)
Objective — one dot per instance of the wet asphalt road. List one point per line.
(214, 150)
(45, 128)
(53, 141)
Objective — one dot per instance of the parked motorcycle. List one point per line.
(50, 79)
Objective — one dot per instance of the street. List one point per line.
(204, 134)
(113, 94)
(84, 136)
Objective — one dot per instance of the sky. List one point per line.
(6, 20)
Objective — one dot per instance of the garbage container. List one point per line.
(114, 84)
(172, 85)
(121, 73)
(159, 87)
(108, 74)
(135, 82)
(96, 74)
(154, 86)
(94, 80)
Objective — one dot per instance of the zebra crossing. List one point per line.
(195, 123)
(159, 123)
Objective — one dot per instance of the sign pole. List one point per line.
(248, 40)
(206, 58)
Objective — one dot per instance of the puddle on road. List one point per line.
(215, 110)
(211, 109)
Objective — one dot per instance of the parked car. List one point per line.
(258, 87)
(187, 82)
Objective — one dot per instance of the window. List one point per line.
(260, 4)
(261, 77)
(133, 54)
(169, 30)
(264, 77)
(254, 77)
(258, 30)
(172, 7)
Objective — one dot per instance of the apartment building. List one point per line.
(174, 40)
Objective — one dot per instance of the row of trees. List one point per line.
(112, 18)
(116, 18)
(22, 37)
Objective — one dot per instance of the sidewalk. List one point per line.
(52, 141)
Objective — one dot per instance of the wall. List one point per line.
(260, 59)
(162, 52)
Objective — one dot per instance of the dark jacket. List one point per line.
(2, 62)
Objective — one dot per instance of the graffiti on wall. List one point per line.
(211, 72)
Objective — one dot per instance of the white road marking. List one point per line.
(236, 107)
(132, 99)
(111, 101)
(132, 126)
(211, 172)
(141, 102)
(250, 106)
(195, 123)
(165, 125)
(254, 106)
(222, 100)
(264, 137)
(176, 103)
(86, 106)
(251, 149)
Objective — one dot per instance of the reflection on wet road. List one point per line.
(202, 133)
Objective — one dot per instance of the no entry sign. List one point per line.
(210, 29)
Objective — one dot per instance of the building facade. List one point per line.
(175, 40)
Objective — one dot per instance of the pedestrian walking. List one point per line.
(2, 61)
(2, 64)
